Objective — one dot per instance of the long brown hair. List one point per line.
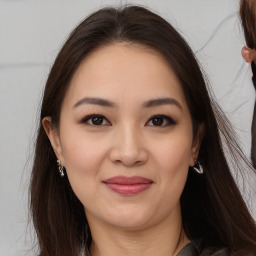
(248, 18)
(212, 207)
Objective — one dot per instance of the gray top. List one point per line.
(188, 250)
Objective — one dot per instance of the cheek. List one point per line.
(83, 165)
(172, 160)
(79, 156)
(83, 160)
(80, 152)
(175, 152)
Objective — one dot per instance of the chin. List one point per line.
(134, 218)
(127, 218)
(130, 223)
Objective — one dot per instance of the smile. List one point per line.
(128, 185)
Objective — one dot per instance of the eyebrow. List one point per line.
(162, 101)
(147, 104)
(95, 101)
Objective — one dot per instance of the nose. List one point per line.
(128, 147)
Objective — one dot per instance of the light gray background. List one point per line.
(31, 33)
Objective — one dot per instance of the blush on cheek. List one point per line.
(174, 156)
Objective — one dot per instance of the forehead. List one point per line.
(123, 71)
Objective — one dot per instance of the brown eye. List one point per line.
(161, 121)
(95, 120)
(157, 121)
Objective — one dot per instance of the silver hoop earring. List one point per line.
(198, 168)
(61, 168)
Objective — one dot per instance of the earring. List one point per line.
(198, 167)
(61, 168)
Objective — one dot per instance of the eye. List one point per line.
(95, 120)
(161, 120)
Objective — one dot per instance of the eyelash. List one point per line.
(166, 120)
(89, 118)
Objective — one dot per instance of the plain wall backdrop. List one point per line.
(31, 34)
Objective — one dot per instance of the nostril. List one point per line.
(118, 157)
(128, 149)
(127, 162)
(138, 162)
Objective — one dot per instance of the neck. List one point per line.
(163, 239)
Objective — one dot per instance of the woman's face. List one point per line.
(125, 137)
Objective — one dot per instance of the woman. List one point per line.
(248, 17)
(128, 119)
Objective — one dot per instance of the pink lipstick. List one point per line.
(128, 185)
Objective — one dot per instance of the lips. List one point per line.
(128, 185)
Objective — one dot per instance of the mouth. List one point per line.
(128, 185)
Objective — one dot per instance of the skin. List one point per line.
(126, 141)
(248, 54)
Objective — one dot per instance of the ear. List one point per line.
(247, 54)
(196, 144)
(54, 138)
